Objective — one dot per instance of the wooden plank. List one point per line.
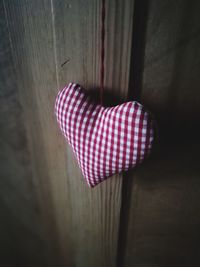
(79, 225)
(94, 213)
(20, 238)
(32, 43)
(164, 217)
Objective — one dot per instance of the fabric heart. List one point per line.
(105, 140)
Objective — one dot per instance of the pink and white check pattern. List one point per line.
(105, 141)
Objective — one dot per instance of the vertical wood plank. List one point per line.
(164, 213)
(21, 241)
(32, 43)
(94, 213)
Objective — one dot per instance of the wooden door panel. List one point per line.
(164, 212)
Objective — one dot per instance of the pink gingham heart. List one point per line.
(105, 140)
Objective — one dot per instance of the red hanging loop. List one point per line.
(102, 51)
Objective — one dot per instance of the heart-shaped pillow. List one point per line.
(105, 140)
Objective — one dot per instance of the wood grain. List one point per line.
(163, 218)
(94, 213)
(20, 236)
(79, 226)
(32, 43)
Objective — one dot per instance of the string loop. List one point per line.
(102, 51)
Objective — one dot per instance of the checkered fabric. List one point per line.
(105, 140)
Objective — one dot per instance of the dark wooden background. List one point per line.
(150, 217)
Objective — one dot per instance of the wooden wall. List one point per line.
(164, 199)
(150, 217)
